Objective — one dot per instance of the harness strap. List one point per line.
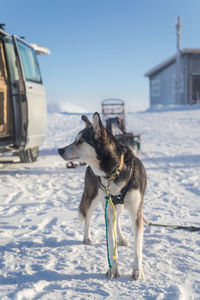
(118, 199)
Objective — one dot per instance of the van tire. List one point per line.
(29, 155)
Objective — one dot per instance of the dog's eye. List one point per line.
(80, 141)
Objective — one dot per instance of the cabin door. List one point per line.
(5, 107)
(194, 89)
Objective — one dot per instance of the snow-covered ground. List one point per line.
(41, 251)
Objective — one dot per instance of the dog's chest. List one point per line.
(114, 189)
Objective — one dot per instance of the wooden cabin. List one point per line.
(176, 81)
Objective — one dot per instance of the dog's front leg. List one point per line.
(133, 203)
(87, 236)
(121, 239)
(113, 269)
(138, 239)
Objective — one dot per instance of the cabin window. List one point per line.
(29, 63)
(155, 88)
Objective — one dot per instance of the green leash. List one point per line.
(106, 217)
(109, 200)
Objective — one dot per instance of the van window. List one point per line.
(11, 60)
(29, 63)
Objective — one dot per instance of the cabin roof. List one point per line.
(166, 63)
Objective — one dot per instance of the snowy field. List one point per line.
(41, 251)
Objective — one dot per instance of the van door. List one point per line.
(35, 94)
(5, 105)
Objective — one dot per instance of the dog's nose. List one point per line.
(61, 151)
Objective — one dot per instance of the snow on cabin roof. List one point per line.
(170, 61)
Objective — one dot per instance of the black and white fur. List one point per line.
(102, 152)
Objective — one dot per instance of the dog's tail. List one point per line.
(87, 204)
(83, 207)
(81, 216)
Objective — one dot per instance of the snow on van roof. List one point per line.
(40, 49)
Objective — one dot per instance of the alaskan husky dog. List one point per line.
(110, 165)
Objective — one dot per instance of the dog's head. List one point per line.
(93, 145)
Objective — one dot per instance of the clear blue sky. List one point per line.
(102, 48)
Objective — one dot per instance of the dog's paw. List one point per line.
(122, 242)
(113, 273)
(87, 241)
(138, 275)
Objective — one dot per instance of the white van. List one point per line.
(22, 98)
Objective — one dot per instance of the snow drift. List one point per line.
(41, 251)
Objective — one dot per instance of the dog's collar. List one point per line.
(117, 171)
(117, 199)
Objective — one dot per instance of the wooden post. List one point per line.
(178, 61)
(178, 33)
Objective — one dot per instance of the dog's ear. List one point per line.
(98, 126)
(87, 122)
